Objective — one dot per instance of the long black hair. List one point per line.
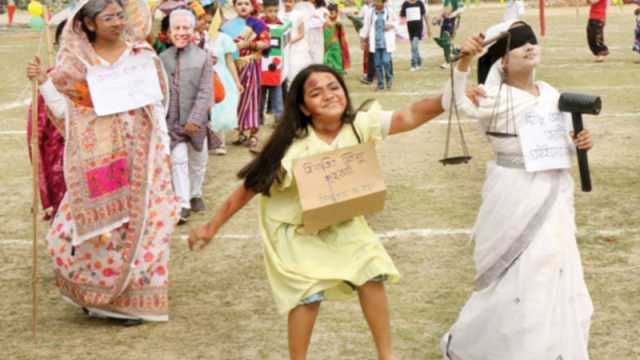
(320, 3)
(59, 29)
(261, 173)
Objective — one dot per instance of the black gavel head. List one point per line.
(580, 103)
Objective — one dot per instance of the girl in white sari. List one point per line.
(298, 56)
(531, 301)
(314, 31)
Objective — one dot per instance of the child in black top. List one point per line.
(415, 12)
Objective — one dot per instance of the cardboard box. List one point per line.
(276, 66)
(339, 185)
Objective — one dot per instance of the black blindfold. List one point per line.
(520, 35)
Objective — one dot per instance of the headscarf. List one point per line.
(497, 108)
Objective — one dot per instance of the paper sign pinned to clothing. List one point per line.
(544, 140)
(124, 86)
(413, 13)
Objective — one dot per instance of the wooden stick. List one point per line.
(47, 38)
(34, 204)
(541, 10)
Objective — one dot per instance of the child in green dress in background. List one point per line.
(336, 49)
(338, 261)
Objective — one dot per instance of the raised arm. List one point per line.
(204, 233)
(463, 102)
(416, 114)
(233, 70)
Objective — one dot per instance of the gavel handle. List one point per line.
(583, 162)
(484, 44)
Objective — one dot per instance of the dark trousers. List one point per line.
(595, 37)
(272, 98)
(371, 68)
(449, 25)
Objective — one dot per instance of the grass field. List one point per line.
(221, 305)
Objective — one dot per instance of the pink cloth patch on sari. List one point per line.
(108, 178)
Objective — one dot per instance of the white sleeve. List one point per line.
(317, 19)
(385, 122)
(364, 32)
(54, 99)
(569, 124)
(463, 103)
(393, 19)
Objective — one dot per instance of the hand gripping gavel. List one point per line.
(485, 43)
(578, 104)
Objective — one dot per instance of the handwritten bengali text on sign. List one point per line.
(544, 140)
(335, 172)
(124, 86)
(339, 185)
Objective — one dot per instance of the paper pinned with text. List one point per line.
(124, 86)
(544, 139)
(413, 13)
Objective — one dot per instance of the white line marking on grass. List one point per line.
(637, 114)
(15, 242)
(399, 233)
(14, 104)
(423, 233)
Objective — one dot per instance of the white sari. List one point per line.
(531, 301)
(298, 56)
(314, 34)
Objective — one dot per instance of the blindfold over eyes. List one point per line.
(519, 35)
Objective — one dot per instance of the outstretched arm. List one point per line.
(416, 114)
(236, 201)
(466, 100)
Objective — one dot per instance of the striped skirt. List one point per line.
(249, 105)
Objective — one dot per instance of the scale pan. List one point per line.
(456, 160)
(500, 134)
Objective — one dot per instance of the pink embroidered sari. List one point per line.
(50, 164)
(109, 241)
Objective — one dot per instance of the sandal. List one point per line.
(241, 140)
(252, 144)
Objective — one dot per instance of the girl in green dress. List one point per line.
(343, 259)
(336, 49)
